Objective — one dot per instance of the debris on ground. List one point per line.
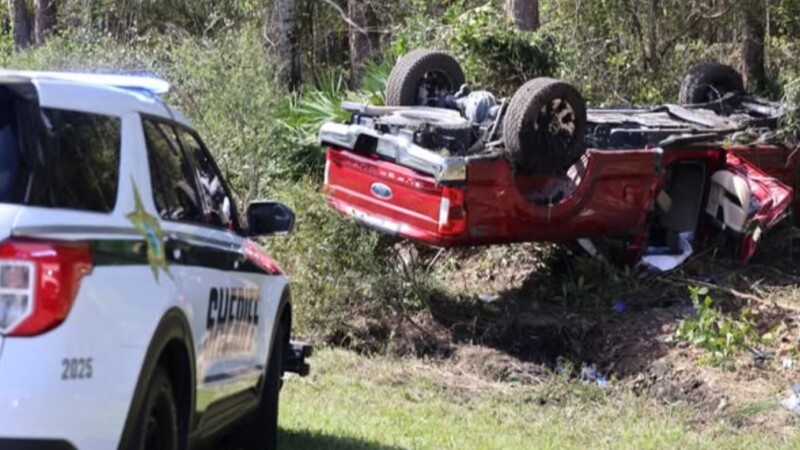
(792, 402)
(488, 298)
(589, 374)
(761, 357)
(657, 258)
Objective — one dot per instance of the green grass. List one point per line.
(354, 402)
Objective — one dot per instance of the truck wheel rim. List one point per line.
(556, 124)
(433, 88)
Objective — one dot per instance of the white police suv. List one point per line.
(135, 313)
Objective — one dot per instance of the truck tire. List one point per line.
(445, 121)
(423, 77)
(707, 82)
(157, 423)
(544, 127)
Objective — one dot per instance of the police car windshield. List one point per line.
(57, 158)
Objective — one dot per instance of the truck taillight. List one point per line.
(327, 172)
(452, 217)
(38, 284)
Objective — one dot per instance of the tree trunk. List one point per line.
(362, 38)
(284, 32)
(654, 14)
(44, 20)
(753, 31)
(524, 13)
(18, 10)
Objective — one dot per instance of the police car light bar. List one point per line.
(149, 84)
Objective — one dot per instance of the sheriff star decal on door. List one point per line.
(153, 235)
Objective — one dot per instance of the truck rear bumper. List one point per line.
(391, 227)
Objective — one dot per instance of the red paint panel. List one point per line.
(610, 200)
(260, 258)
(413, 205)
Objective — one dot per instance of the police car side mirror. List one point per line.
(269, 219)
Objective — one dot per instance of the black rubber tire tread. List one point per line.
(260, 430)
(519, 125)
(159, 394)
(401, 87)
(701, 77)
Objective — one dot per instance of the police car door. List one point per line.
(235, 309)
(198, 263)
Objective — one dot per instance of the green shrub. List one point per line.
(301, 116)
(228, 90)
(345, 278)
(496, 53)
(419, 30)
(717, 333)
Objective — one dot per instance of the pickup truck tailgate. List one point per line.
(391, 198)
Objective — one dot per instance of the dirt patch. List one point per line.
(486, 272)
(669, 385)
(495, 365)
(395, 334)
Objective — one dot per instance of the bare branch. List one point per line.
(345, 17)
(692, 21)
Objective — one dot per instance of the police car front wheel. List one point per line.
(157, 424)
(259, 431)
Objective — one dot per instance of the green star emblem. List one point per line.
(153, 235)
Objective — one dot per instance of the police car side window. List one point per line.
(212, 189)
(78, 167)
(174, 189)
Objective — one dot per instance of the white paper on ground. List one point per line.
(792, 403)
(665, 263)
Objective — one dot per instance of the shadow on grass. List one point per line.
(304, 439)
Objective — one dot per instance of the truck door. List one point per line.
(745, 201)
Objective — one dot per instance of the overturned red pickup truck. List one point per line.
(448, 167)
